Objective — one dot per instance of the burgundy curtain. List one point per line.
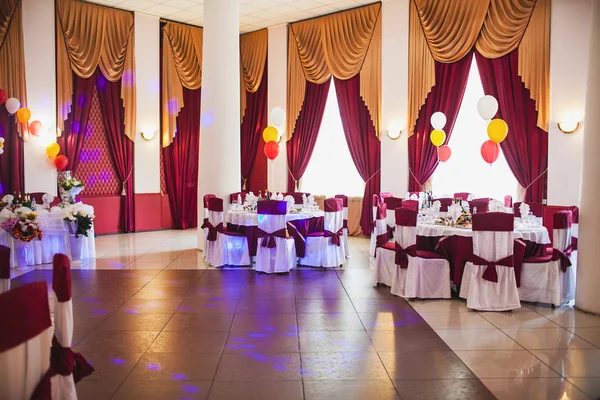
(71, 140)
(446, 96)
(121, 146)
(526, 146)
(180, 160)
(12, 175)
(302, 144)
(365, 147)
(254, 122)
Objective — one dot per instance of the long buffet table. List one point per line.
(55, 239)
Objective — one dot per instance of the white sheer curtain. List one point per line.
(331, 170)
(466, 171)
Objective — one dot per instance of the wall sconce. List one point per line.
(394, 133)
(568, 126)
(148, 136)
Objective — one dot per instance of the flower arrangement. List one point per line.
(78, 222)
(70, 183)
(69, 188)
(23, 227)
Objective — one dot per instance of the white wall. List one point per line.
(147, 58)
(569, 48)
(394, 153)
(39, 43)
(277, 92)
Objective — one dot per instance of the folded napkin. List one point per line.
(251, 200)
(278, 196)
(436, 206)
(23, 210)
(8, 199)
(524, 210)
(239, 199)
(290, 202)
(311, 201)
(454, 211)
(414, 197)
(496, 206)
(304, 200)
(47, 198)
(6, 213)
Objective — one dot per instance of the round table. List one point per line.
(299, 225)
(536, 234)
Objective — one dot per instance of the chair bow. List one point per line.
(336, 237)
(563, 256)
(268, 239)
(345, 224)
(212, 230)
(490, 274)
(402, 254)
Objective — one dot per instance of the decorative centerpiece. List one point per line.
(23, 227)
(79, 224)
(69, 187)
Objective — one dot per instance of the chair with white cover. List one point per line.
(464, 196)
(489, 282)
(276, 251)
(345, 216)
(223, 247)
(4, 269)
(551, 278)
(67, 367)
(413, 273)
(325, 249)
(25, 342)
(379, 234)
(204, 222)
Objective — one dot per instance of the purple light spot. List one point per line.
(280, 367)
(210, 305)
(118, 361)
(90, 300)
(259, 357)
(184, 308)
(216, 298)
(104, 175)
(131, 311)
(257, 335)
(207, 119)
(153, 366)
(269, 329)
(91, 180)
(81, 100)
(173, 106)
(128, 78)
(179, 377)
(153, 86)
(190, 388)
(101, 82)
(239, 339)
(75, 127)
(99, 311)
(290, 334)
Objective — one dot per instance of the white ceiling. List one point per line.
(254, 14)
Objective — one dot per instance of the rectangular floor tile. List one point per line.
(342, 366)
(189, 342)
(425, 365)
(475, 339)
(200, 322)
(533, 389)
(548, 339)
(253, 366)
(505, 364)
(572, 363)
(330, 322)
(175, 366)
(350, 390)
(435, 389)
(404, 340)
(335, 341)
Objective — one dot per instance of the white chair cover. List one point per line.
(326, 250)
(203, 237)
(542, 278)
(25, 347)
(491, 245)
(282, 256)
(380, 231)
(226, 248)
(345, 244)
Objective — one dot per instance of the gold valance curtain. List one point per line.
(181, 67)
(343, 45)
(253, 56)
(89, 36)
(446, 30)
(12, 56)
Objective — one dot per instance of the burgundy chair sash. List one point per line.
(333, 205)
(212, 230)
(462, 195)
(344, 199)
(562, 219)
(490, 274)
(563, 256)
(272, 207)
(445, 202)
(412, 204)
(4, 262)
(401, 258)
(336, 237)
(215, 204)
(345, 224)
(392, 202)
(493, 221)
(65, 362)
(406, 217)
(268, 239)
(207, 197)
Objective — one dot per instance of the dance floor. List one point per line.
(157, 323)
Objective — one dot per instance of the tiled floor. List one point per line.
(157, 323)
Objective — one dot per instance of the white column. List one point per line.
(394, 93)
(277, 169)
(219, 169)
(588, 273)
(39, 45)
(147, 58)
(569, 52)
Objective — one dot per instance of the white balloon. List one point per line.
(277, 116)
(438, 120)
(12, 105)
(487, 107)
(1, 151)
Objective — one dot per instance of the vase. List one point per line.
(21, 253)
(76, 244)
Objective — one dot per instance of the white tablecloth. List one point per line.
(247, 218)
(55, 239)
(537, 234)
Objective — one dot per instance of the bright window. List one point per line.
(331, 170)
(466, 171)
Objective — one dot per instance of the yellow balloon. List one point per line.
(23, 115)
(437, 137)
(497, 130)
(270, 134)
(52, 149)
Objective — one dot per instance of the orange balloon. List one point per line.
(444, 153)
(61, 162)
(490, 151)
(23, 115)
(35, 127)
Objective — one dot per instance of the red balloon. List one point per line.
(271, 150)
(490, 151)
(444, 153)
(61, 162)
(3, 96)
(35, 127)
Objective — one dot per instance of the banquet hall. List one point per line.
(299, 199)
